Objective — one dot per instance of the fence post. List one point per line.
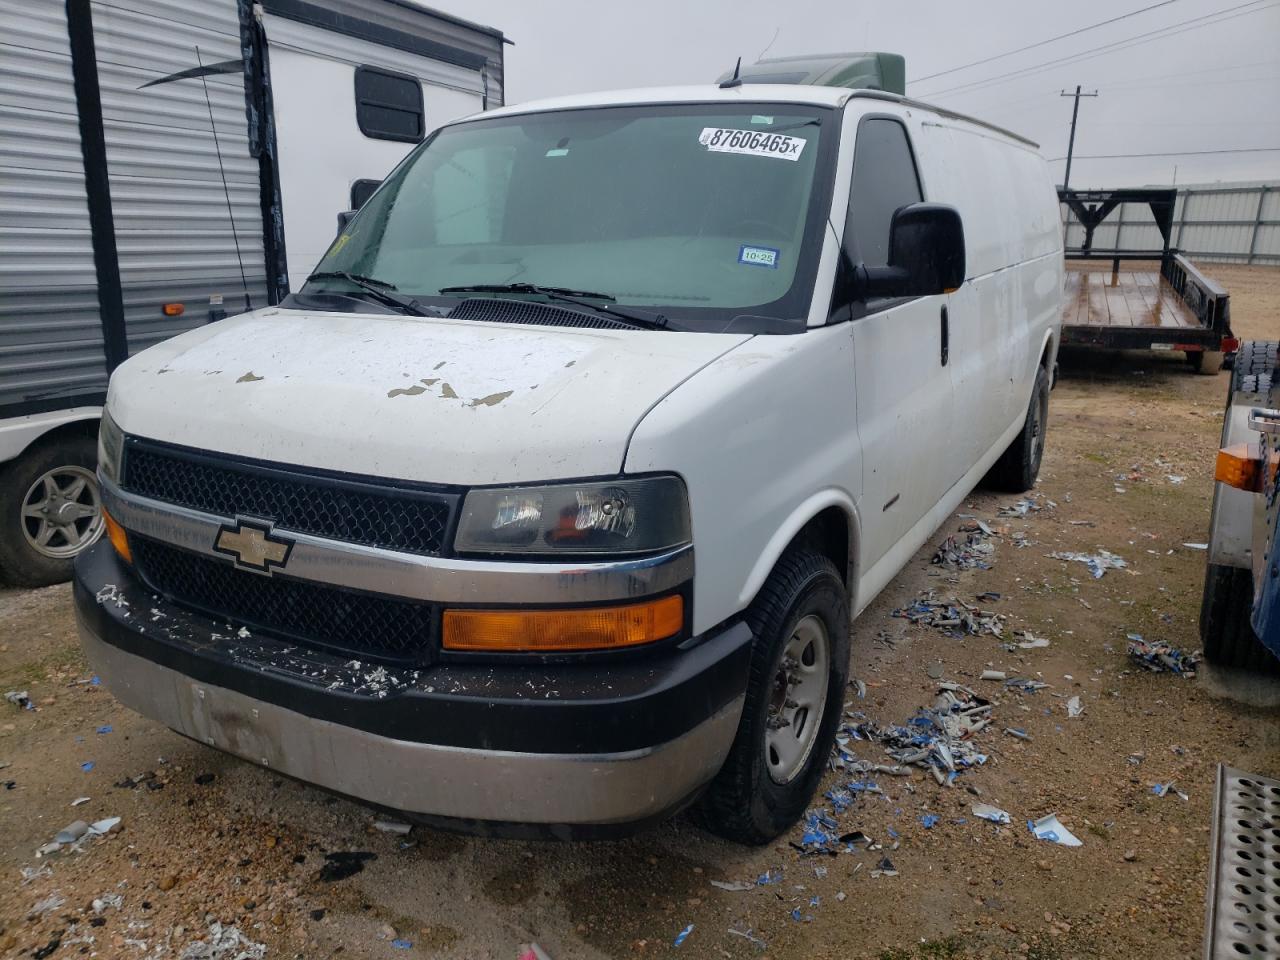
(1257, 222)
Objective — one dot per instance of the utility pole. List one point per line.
(1071, 144)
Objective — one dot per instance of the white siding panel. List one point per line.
(50, 330)
(174, 238)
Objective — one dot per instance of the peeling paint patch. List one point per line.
(448, 393)
(440, 364)
(249, 377)
(431, 381)
(407, 391)
(492, 400)
(570, 363)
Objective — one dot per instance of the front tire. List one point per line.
(795, 695)
(1019, 465)
(50, 510)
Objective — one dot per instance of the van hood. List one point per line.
(436, 400)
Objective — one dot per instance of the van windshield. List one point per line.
(699, 212)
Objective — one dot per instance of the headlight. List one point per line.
(610, 516)
(110, 446)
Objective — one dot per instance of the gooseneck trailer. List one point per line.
(1153, 297)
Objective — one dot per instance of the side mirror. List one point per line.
(926, 254)
(344, 218)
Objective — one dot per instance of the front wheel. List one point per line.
(1019, 465)
(795, 694)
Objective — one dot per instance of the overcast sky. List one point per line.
(1209, 80)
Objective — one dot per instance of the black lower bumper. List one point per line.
(602, 707)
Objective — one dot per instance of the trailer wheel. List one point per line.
(1208, 362)
(1019, 465)
(50, 510)
(795, 695)
(1226, 633)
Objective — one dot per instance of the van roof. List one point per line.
(791, 93)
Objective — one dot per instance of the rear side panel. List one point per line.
(176, 239)
(51, 342)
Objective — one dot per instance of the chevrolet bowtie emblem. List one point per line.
(253, 545)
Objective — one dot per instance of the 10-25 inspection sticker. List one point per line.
(757, 143)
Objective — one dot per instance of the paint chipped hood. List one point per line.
(436, 400)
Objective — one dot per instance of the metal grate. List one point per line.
(1243, 910)
(413, 521)
(363, 624)
(497, 310)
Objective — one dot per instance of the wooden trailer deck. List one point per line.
(1129, 298)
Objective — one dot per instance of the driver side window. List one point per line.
(884, 179)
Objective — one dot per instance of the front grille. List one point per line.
(409, 520)
(360, 624)
(526, 311)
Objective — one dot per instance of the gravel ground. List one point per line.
(205, 839)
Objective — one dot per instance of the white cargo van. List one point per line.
(547, 501)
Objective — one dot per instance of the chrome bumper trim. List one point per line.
(470, 784)
(435, 579)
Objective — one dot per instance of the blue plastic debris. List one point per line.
(929, 819)
(87, 766)
(105, 728)
(1161, 657)
(683, 935)
(893, 833)
(769, 877)
(95, 681)
(800, 917)
(402, 944)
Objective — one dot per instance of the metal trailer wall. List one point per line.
(174, 237)
(51, 340)
(1233, 223)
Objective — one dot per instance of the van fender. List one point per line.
(805, 511)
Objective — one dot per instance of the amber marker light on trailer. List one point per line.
(559, 631)
(119, 539)
(173, 309)
(1240, 466)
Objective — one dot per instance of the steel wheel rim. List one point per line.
(1038, 411)
(797, 700)
(62, 512)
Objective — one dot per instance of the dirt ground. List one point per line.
(207, 838)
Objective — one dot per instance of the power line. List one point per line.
(1171, 153)
(1041, 43)
(1216, 16)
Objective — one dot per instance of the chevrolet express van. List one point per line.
(547, 503)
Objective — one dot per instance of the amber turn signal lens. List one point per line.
(117, 536)
(556, 631)
(1240, 466)
(173, 309)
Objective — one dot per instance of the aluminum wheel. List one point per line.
(799, 695)
(61, 513)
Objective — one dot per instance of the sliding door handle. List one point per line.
(946, 337)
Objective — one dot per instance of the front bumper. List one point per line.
(608, 744)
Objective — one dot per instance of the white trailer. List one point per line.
(167, 163)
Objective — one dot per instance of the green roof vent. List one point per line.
(866, 71)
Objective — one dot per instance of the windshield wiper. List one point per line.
(380, 290)
(567, 295)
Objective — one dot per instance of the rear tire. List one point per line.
(1019, 465)
(757, 795)
(74, 521)
(1226, 633)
